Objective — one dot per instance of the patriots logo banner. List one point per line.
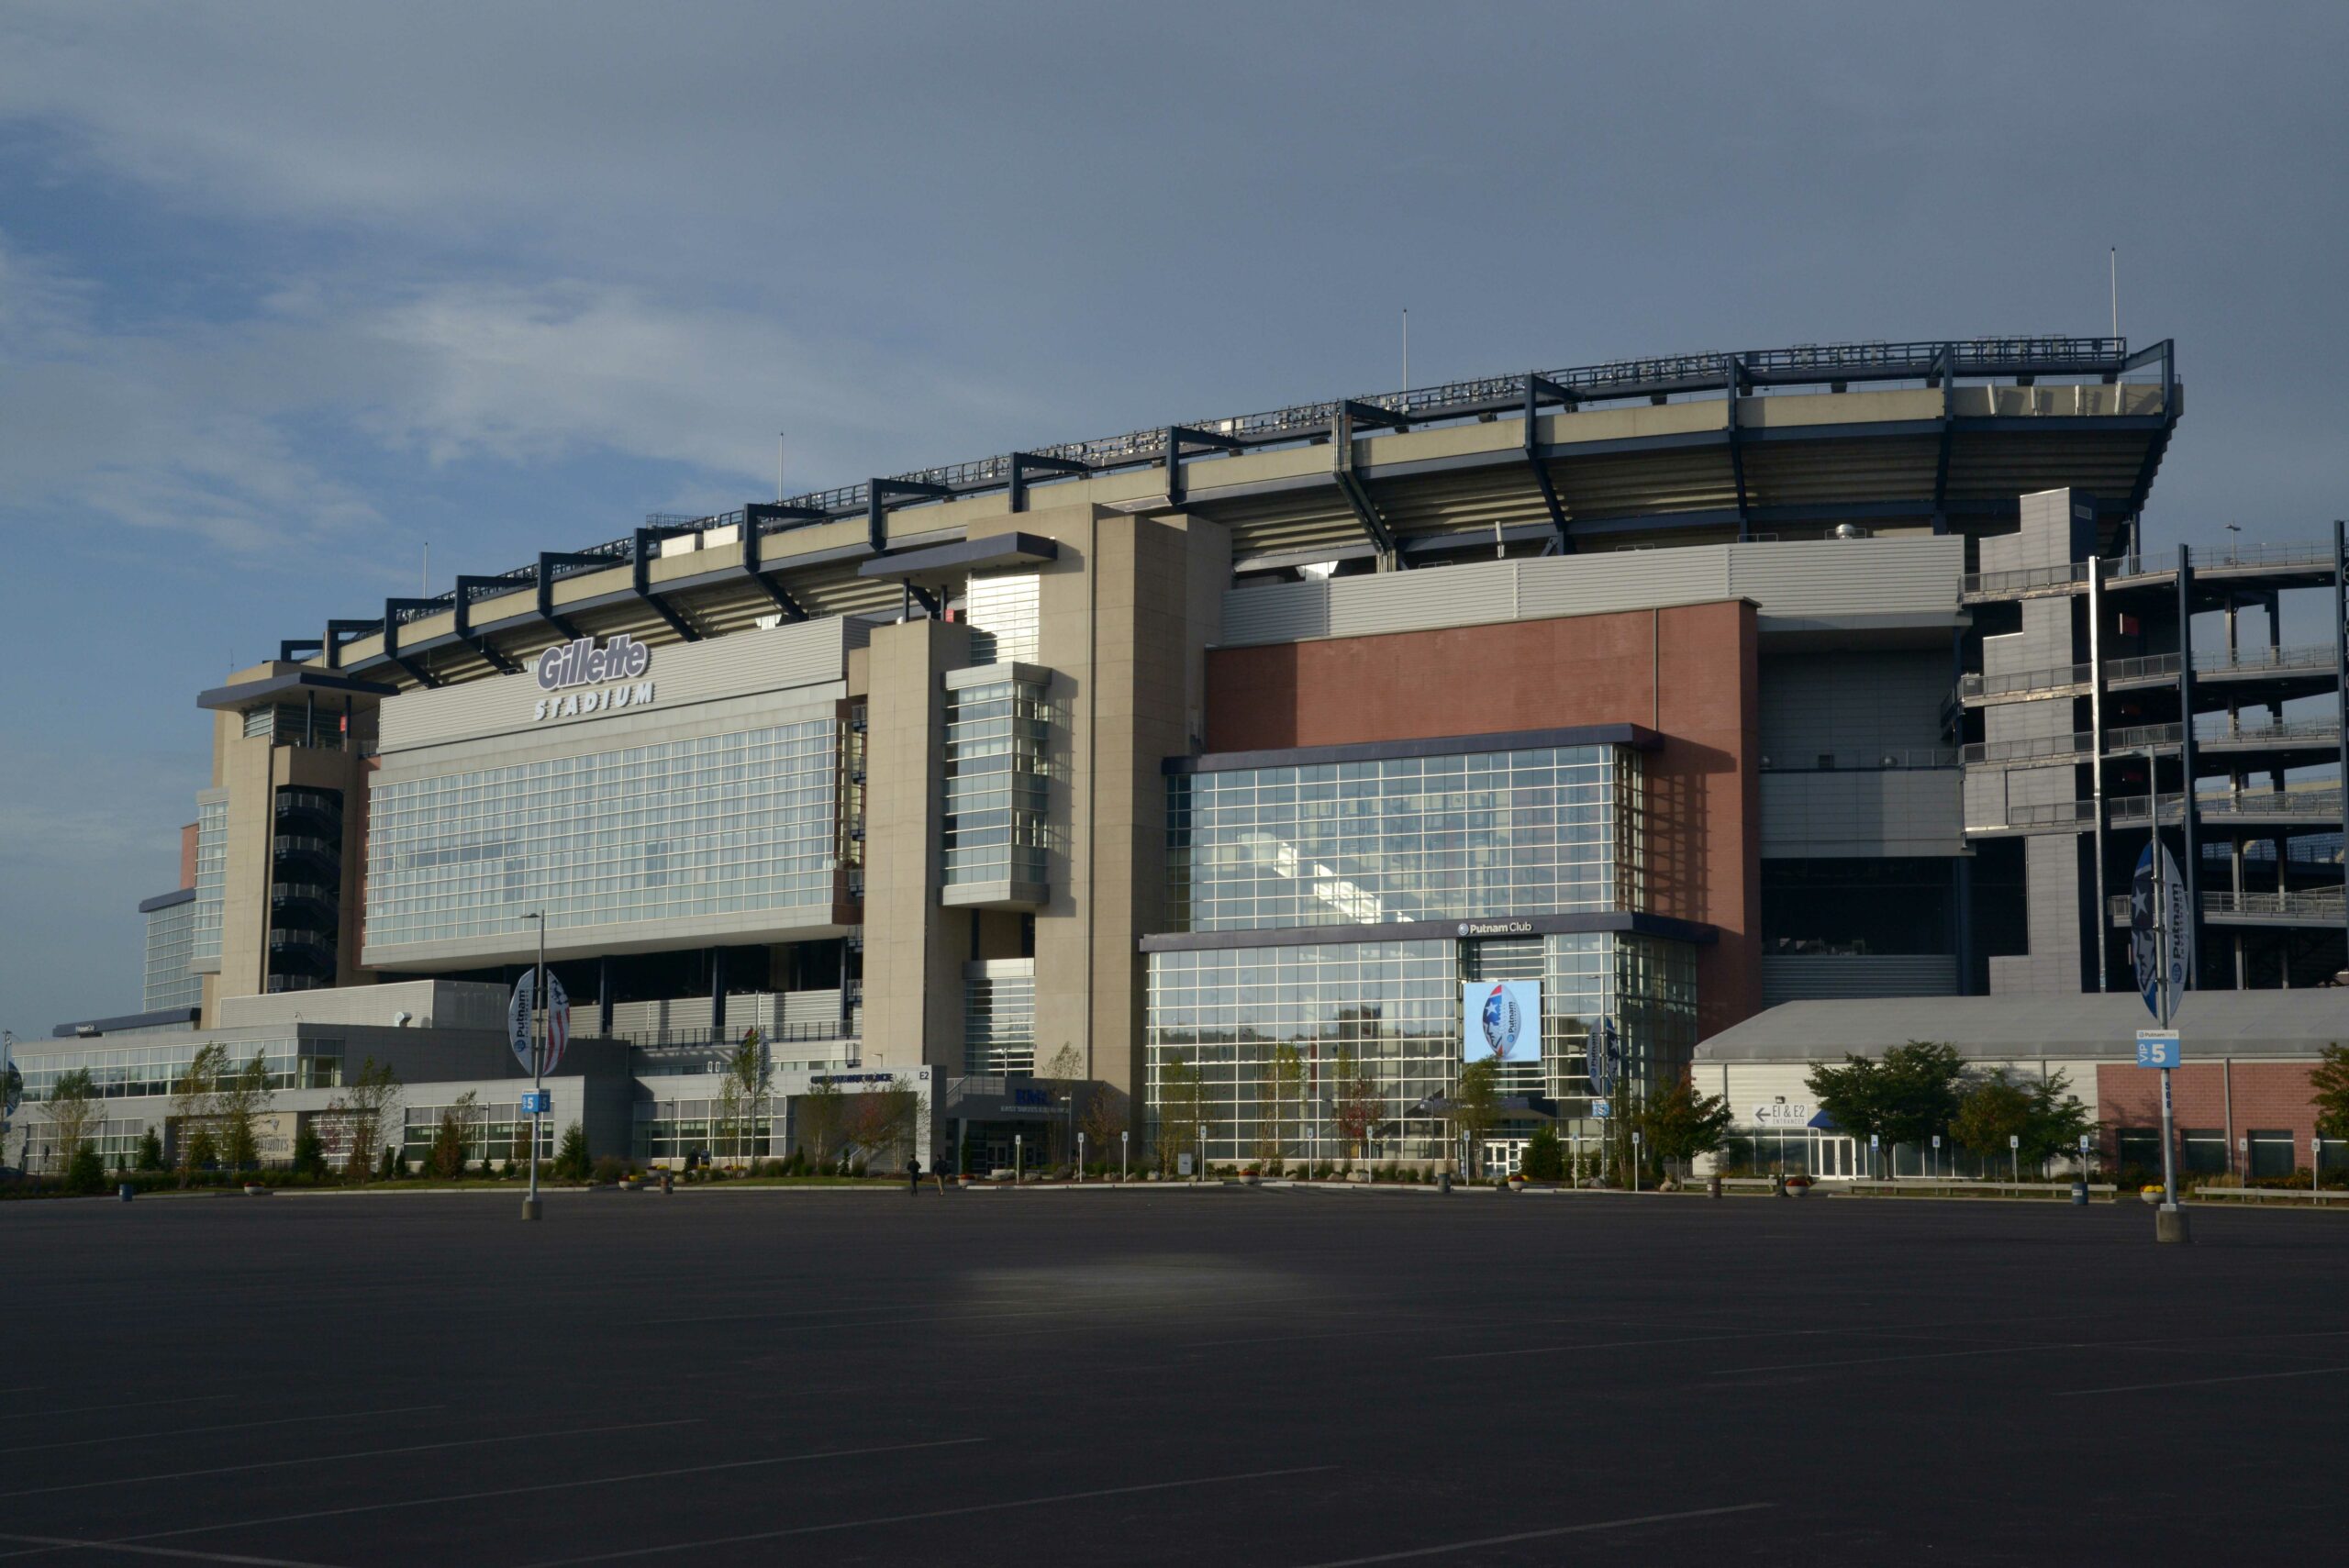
(1500, 1020)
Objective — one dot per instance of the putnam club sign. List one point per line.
(610, 675)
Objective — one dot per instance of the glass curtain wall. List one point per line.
(1545, 831)
(211, 877)
(713, 825)
(998, 738)
(999, 1017)
(171, 944)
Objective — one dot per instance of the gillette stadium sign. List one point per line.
(611, 674)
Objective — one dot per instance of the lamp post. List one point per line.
(538, 1060)
(1123, 1138)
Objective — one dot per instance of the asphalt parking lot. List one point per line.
(1264, 1378)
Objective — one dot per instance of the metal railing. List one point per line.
(2311, 905)
(1881, 759)
(2021, 580)
(2054, 678)
(2213, 729)
(2032, 747)
(2056, 813)
(2251, 558)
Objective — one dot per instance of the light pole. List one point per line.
(538, 1060)
(1080, 1159)
(1123, 1173)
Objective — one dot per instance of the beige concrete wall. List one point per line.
(914, 950)
(1125, 613)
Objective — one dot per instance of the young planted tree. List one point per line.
(2329, 1092)
(570, 1162)
(150, 1153)
(1546, 1157)
(451, 1138)
(75, 1114)
(1104, 1120)
(1679, 1124)
(1182, 1102)
(309, 1153)
(365, 1105)
(2043, 1117)
(1284, 1090)
(1360, 1108)
(743, 1094)
(882, 1123)
(821, 1114)
(1905, 1096)
(192, 1108)
(242, 1100)
(1476, 1104)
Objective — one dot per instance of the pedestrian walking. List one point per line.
(913, 1173)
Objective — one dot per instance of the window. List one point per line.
(1544, 831)
(2203, 1151)
(999, 1017)
(710, 825)
(2271, 1153)
(998, 765)
(2141, 1147)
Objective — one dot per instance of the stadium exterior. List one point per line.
(1197, 771)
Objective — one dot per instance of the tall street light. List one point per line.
(539, 999)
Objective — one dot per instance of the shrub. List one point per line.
(87, 1173)
(1546, 1157)
(151, 1152)
(309, 1154)
(570, 1162)
(609, 1168)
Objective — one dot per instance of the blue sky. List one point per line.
(287, 290)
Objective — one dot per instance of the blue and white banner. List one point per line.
(1500, 1020)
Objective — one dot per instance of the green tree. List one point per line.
(822, 1113)
(75, 1114)
(2042, 1117)
(151, 1152)
(1287, 1088)
(1992, 1110)
(363, 1106)
(309, 1153)
(192, 1108)
(85, 1173)
(1476, 1105)
(570, 1161)
(1360, 1108)
(1545, 1156)
(242, 1099)
(743, 1094)
(2329, 1083)
(451, 1137)
(1905, 1097)
(1679, 1124)
(1182, 1102)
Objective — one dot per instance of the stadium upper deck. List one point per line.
(1688, 449)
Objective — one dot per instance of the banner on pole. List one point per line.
(517, 1022)
(2169, 965)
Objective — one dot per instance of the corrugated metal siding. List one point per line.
(1897, 811)
(1816, 977)
(1825, 577)
(1409, 601)
(1288, 612)
(1798, 579)
(1855, 705)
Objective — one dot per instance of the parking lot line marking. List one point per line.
(126, 1405)
(934, 1513)
(542, 1487)
(65, 1544)
(336, 1458)
(2199, 1382)
(1542, 1535)
(1923, 1356)
(229, 1427)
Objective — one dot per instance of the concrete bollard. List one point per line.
(2169, 1224)
(531, 1208)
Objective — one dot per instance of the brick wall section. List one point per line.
(187, 856)
(1687, 672)
(2267, 1095)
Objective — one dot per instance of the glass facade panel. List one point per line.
(998, 740)
(132, 1072)
(1000, 1019)
(714, 825)
(170, 943)
(211, 877)
(493, 1133)
(1390, 1012)
(1003, 614)
(671, 1129)
(1546, 831)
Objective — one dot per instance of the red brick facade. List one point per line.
(2237, 1097)
(1688, 672)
